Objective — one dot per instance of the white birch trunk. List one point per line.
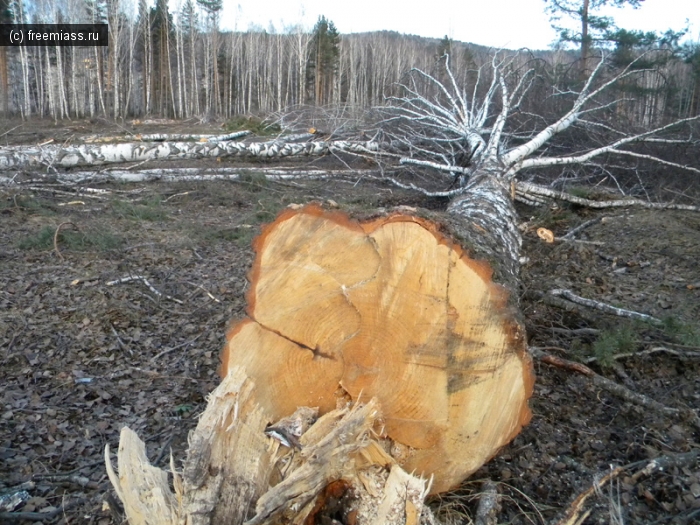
(95, 155)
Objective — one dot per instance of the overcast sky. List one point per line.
(496, 23)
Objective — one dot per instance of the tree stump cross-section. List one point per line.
(390, 309)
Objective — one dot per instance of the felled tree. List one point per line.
(402, 332)
(400, 340)
(470, 137)
(389, 309)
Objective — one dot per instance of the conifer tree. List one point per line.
(593, 27)
(323, 59)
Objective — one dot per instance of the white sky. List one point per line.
(496, 23)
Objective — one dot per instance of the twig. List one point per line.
(145, 282)
(55, 237)
(11, 130)
(204, 290)
(40, 477)
(575, 515)
(580, 228)
(576, 331)
(163, 449)
(115, 508)
(123, 346)
(667, 461)
(62, 478)
(128, 168)
(559, 362)
(151, 373)
(168, 350)
(530, 190)
(27, 485)
(687, 347)
(568, 294)
(489, 504)
(62, 192)
(179, 195)
(38, 516)
(579, 241)
(659, 349)
(615, 388)
(558, 302)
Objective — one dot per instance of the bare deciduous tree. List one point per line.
(482, 133)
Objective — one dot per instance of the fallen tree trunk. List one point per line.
(413, 356)
(21, 157)
(167, 137)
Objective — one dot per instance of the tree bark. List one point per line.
(95, 155)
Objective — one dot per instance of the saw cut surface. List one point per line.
(388, 309)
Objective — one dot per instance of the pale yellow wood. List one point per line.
(142, 488)
(234, 471)
(391, 310)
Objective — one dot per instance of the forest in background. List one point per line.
(181, 65)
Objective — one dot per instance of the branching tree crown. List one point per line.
(469, 133)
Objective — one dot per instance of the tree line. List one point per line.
(179, 64)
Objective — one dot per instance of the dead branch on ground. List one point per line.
(603, 307)
(615, 388)
(147, 283)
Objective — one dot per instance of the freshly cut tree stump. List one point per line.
(391, 310)
(371, 350)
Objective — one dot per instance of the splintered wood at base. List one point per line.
(234, 474)
(390, 309)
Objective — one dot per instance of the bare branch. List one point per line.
(522, 151)
(610, 148)
(528, 189)
(434, 165)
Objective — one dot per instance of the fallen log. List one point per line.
(52, 155)
(413, 357)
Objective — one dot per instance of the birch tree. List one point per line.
(475, 140)
(213, 92)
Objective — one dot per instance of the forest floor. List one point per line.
(81, 357)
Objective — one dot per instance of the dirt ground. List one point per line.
(82, 355)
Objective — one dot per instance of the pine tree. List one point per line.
(593, 28)
(161, 24)
(323, 59)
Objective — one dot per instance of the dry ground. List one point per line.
(80, 358)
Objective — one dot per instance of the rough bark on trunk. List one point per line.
(399, 337)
